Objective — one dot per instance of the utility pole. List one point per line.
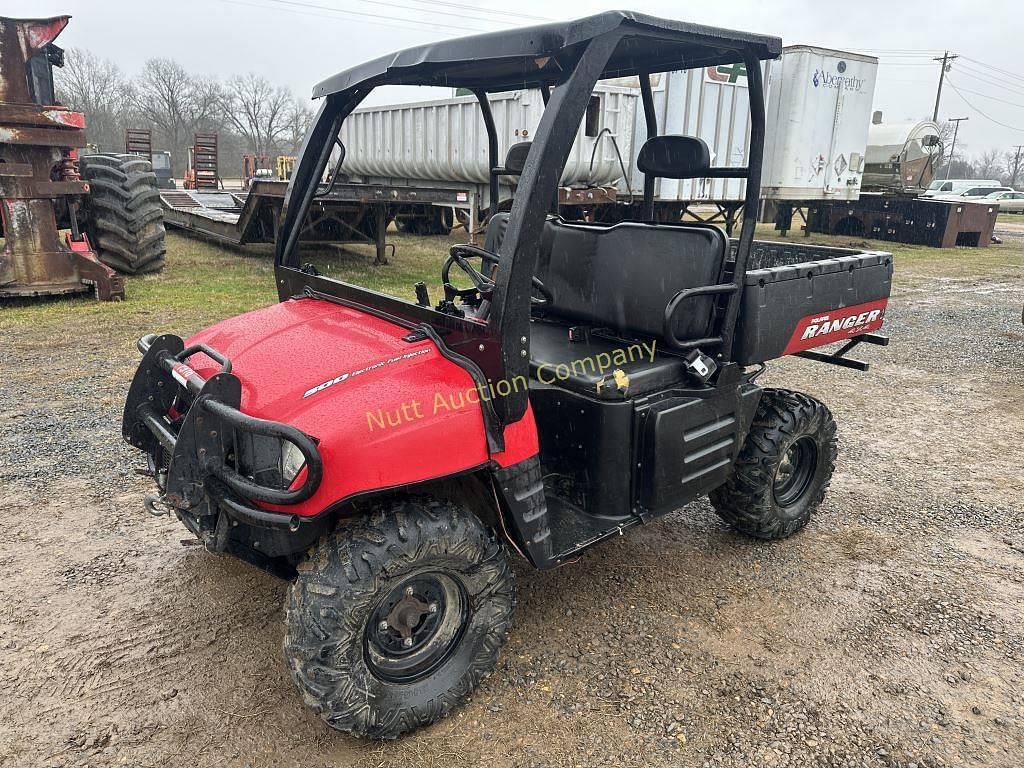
(956, 129)
(946, 59)
(1016, 166)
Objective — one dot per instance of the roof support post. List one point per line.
(651, 119)
(315, 154)
(492, 150)
(510, 311)
(753, 191)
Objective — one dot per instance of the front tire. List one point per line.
(395, 619)
(784, 467)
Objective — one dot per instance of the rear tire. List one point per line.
(396, 618)
(784, 467)
(124, 218)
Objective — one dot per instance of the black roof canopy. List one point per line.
(517, 58)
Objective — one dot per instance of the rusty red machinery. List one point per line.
(255, 166)
(204, 163)
(40, 182)
(139, 141)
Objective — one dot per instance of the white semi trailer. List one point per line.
(443, 144)
(818, 113)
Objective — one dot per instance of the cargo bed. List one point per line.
(798, 297)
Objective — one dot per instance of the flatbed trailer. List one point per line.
(913, 220)
(343, 211)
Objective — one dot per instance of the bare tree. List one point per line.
(259, 111)
(988, 165)
(176, 104)
(298, 124)
(96, 87)
(1013, 165)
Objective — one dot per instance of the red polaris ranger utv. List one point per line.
(386, 455)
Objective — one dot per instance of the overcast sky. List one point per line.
(299, 42)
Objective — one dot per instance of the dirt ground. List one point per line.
(888, 633)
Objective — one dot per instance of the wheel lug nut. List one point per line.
(408, 591)
(432, 607)
(407, 642)
(383, 626)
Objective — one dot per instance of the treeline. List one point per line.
(1006, 166)
(248, 112)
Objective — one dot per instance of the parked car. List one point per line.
(1009, 201)
(974, 194)
(956, 187)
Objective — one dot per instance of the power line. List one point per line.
(986, 81)
(478, 9)
(987, 117)
(368, 18)
(985, 77)
(923, 51)
(377, 22)
(399, 6)
(994, 75)
(994, 98)
(992, 66)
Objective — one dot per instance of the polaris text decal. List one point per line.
(818, 330)
(342, 377)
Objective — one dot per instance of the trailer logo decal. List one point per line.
(727, 73)
(819, 330)
(349, 374)
(837, 82)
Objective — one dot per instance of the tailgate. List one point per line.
(797, 297)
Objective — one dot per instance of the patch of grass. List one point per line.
(204, 283)
(946, 262)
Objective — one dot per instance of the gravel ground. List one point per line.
(889, 633)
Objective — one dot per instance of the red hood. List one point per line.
(325, 369)
(282, 351)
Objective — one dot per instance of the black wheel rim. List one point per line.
(795, 472)
(416, 627)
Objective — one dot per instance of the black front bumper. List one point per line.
(200, 443)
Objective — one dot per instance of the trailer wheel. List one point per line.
(784, 467)
(395, 619)
(123, 216)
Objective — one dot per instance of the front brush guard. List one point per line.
(203, 441)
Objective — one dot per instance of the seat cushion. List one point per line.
(607, 369)
(622, 277)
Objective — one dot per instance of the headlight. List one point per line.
(292, 462)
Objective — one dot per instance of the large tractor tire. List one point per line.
(784, 467)
(396, 618)
(123, 216)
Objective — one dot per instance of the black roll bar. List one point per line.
(755, 91)
(651, 119)
(492, 148)
(310, 171)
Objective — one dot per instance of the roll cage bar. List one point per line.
(564, 61)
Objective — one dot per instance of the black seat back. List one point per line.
(623, 276)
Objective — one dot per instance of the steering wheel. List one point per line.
(482, 285)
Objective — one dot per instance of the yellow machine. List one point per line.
(285, 166)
